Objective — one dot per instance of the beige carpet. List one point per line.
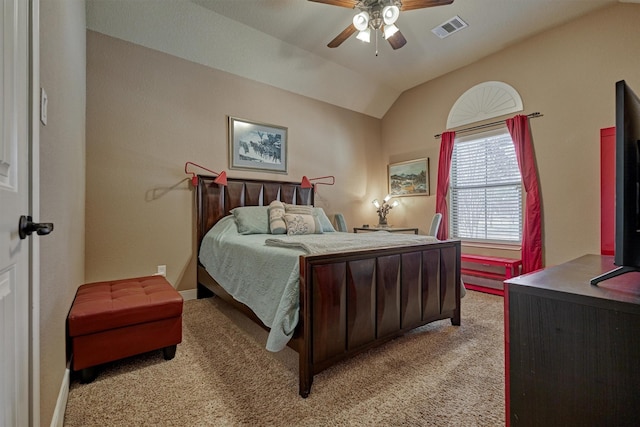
(438, 375)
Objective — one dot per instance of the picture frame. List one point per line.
(257, 146)
(410, 178)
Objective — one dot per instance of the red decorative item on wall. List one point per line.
(306, 182)
(221, 176)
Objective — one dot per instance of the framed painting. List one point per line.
(409, 178)
(257, 146)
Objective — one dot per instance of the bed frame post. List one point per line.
(305, 351)
(455, 320)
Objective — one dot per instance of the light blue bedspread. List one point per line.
(262, 271)
(266, 280)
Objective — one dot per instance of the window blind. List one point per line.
(486, 189)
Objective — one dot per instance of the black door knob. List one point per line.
(26, 226)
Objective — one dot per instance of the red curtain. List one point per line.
(532, 232)
(444, 167)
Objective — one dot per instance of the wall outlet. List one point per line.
(162, 271)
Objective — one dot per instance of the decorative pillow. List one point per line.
(325, 222)
(276, 218)
(298, 209)
(298, 224)
(252, 219)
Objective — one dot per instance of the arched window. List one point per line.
(485, 188)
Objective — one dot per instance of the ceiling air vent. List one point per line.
(453, 25)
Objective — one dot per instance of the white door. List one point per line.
(14, 201)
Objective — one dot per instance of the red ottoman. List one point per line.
(120, 318)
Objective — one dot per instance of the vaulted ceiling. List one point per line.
(284, 42)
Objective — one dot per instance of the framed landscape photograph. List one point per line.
(257, 146)
(409, 178)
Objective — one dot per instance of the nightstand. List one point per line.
(389, 229)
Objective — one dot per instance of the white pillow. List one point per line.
(325, 222)
(299, 224)
(276, 218)
(298, 209)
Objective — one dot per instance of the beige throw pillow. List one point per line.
(298, 209)
(298, 224)
(276, 218)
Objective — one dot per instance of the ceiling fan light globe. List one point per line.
(365, 35)
(390, 14)
(361, 21)
(390, 30)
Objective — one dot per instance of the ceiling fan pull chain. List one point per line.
(376, 42)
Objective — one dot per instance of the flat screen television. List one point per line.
(627, 222)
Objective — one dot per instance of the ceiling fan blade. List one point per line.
(345, 34)
(397, 40)
(351, 4)
(421, 4)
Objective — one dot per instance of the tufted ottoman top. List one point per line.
(108, 305)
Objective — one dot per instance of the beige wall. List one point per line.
(62, 186)
(149, 112)
(568, 74)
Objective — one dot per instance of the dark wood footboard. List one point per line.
(351, 302)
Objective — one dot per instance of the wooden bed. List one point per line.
(351, 301)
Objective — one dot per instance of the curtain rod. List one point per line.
(486, 125)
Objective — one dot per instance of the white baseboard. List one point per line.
(61, 404)
(189, 294)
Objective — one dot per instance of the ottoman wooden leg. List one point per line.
(169, 352)
(87, 375)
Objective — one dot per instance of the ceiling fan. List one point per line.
(378, 15)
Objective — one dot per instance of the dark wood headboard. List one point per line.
(214, 201)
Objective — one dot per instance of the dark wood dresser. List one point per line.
(573, 349)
